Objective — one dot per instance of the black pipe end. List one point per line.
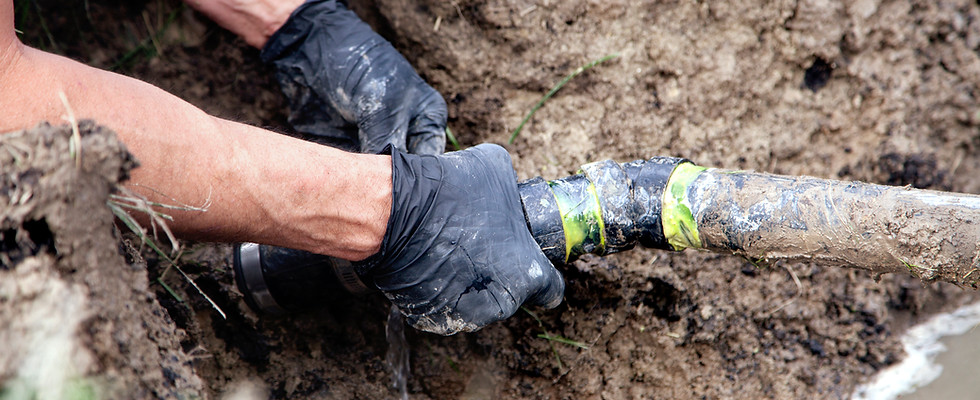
(543, 218)
(247, 263)
(277, 280)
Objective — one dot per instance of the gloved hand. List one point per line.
(457, 254)
(347, 84)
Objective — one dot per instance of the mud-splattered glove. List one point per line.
(348, 85)
(457, 254)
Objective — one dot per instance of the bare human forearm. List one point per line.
(262, 186)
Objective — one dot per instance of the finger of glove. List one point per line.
(312, 110)
(525, 273)
(548, 288)
(427, 128)
(529, 281)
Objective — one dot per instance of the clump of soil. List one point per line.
(78, 320)
(881, 91)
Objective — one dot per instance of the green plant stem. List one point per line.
(554, 338)
(170, 290)
(452, 139)
(133, 226)
(554, 90)
(562, 339)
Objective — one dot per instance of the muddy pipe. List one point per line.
(672, 204)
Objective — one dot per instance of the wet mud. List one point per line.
(877, 91)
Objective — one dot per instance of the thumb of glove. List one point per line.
(427, 128)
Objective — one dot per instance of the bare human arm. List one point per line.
(262, 186)
(455, 253)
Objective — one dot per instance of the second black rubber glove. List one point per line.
(457, 254)
(348, 86)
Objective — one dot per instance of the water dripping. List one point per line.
(398, 352)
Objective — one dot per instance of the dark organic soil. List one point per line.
(880, 91)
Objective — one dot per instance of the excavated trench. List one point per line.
(878, 91)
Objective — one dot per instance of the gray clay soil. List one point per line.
(879, 91)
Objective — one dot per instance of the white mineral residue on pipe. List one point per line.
(922, 345)
(941, 199)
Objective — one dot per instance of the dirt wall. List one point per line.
(79, 319)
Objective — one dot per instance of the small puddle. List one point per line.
(483, 384)
(398, 352)
(960, 370)
(921, 375)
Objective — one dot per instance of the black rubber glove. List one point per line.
(349, 86)
(457, 254)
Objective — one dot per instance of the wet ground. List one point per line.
(880, 91)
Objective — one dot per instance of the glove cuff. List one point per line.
(408, 200)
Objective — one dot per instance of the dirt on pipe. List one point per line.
(930, 234)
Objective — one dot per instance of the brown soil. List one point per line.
(71, 304)
(881, 91)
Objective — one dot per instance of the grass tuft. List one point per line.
(129, 201)
(554, 90)
(149, 47)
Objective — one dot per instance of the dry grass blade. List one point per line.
(799, 291)
(136, 202)
(176, 205)
(153, 34)
(75, 144)
(131, 201)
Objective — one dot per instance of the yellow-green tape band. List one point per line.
(581, 217)
(601, 231)
(680, 228)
